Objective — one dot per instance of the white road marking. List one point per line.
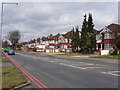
(112, 73)
(46, 58)
(101, 65)
(71, 66)
(57, 59)
(92, 67)
(88, 65)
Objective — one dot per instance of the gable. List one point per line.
(105, 29)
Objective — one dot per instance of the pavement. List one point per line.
(69, 72)
(24, 86)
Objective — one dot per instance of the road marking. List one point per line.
(57, 59)
(92, 67)
(71, 66)
(30, 76)
(86, 63)
(112, 73)
(46, 58)
(68, 63)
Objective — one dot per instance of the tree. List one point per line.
(118, 42)
(14, 37)
(84, 26)
(90, 30)
(75, 39)
(5, 43)
(90, 24)
(88, 41)
(83, 34)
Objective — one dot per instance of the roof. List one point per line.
(56, 37)
(96, 31)
(114, 27)
(69, 34)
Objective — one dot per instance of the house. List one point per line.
(56, 43)
(105, 38)
(64, 42)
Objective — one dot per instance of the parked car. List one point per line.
(11, 52)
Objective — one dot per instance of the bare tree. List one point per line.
(14, 37)
(5, 43)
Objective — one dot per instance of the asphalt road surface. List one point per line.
(69, 73)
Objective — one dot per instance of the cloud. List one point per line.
(35, 20)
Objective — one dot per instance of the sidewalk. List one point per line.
(22, 86)
(7, 64)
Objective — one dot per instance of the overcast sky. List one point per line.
(37, 19)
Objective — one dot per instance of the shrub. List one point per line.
(113, 51)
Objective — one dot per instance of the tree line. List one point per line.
(86, 41)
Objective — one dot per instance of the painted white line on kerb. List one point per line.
(111, 73)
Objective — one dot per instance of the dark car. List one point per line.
(11, 52)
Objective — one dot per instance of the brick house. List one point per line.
(105, 38)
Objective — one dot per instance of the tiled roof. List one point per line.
(114, 27)
(96, 31)
(69, 34)
(56, 37)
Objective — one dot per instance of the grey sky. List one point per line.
(37, 19)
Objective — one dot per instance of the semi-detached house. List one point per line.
(105, 40)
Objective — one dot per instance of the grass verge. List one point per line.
(108, 56)
(11, 78)
(4, 59)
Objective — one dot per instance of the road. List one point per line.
(69, 73)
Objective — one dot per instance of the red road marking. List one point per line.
(27, 75)
(31, 77)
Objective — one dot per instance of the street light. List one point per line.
(2, 25)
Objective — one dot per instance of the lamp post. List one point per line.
(1, 26)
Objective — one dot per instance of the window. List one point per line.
(66, 40)
(65, 46)
(98, 37)
(107, 36)
(107, 46)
